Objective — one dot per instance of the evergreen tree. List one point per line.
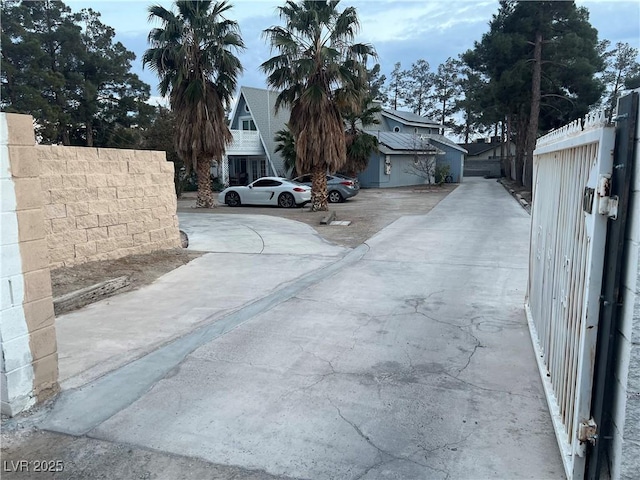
(64, 69)
(396, 89)
(621, 70)
(540, 59)
(376, 84)
(418, 87)
(446, 91)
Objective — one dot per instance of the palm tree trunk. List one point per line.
(319, 189)
(205, 195)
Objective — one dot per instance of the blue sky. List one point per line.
(400, 30)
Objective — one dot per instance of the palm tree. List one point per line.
(360, 145)
(286, 144)
(193, 56)
(319, 70)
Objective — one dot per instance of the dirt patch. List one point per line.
(140, 269)
(518, 191)
(369, 211)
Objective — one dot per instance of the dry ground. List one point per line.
(369, 211)
(510, 185)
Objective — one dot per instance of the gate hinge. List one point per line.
(607, 204)
(587, 432)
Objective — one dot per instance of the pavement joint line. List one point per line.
(80, 410)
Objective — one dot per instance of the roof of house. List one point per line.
(397, 143)
(478, 148)
(436, 137)
(402, 142)
(262, 105)
(409, 118)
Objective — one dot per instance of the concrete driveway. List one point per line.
(407, 357)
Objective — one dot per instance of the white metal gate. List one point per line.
(572, 169)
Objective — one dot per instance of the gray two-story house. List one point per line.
(406, 140)
(402, 137)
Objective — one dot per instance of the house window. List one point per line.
(248, 125)
(396, 129)
(258, 168)
(246, 108)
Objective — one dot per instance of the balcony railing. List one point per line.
(245, 142)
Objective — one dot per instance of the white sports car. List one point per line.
(267, 191)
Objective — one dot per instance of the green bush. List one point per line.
(441, 173)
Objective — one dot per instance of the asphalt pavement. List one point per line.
(407, 357)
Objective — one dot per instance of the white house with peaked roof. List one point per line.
(253, 125)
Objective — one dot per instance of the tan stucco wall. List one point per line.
(106, 203)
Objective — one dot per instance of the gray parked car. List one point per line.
(339, 187)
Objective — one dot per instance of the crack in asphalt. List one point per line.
(418, 301)
(441, 447)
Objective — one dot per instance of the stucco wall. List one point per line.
(625, 452)
(106, 203)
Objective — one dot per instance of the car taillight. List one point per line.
(348, 183)
(298, 189)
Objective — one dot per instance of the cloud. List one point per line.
(399, 21)
(400, 30)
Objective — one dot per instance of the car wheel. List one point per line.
(335, 197)
(232, 199)
(286, 200)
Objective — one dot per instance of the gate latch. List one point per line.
(607, 204)
(587, 432)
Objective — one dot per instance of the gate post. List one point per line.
(28, 352)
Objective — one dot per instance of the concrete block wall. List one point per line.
(625, 451)
(106, 203)
(28, 360)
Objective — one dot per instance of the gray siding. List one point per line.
(389, 124)
(262, 109)
(240, 112)
(370, 177)
(455, 160)
(401, 172)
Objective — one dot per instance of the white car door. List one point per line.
(262, 192)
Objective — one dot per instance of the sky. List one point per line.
(400, 30)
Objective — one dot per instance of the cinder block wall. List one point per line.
(106, 203)
(28, 360)
(625, 451)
